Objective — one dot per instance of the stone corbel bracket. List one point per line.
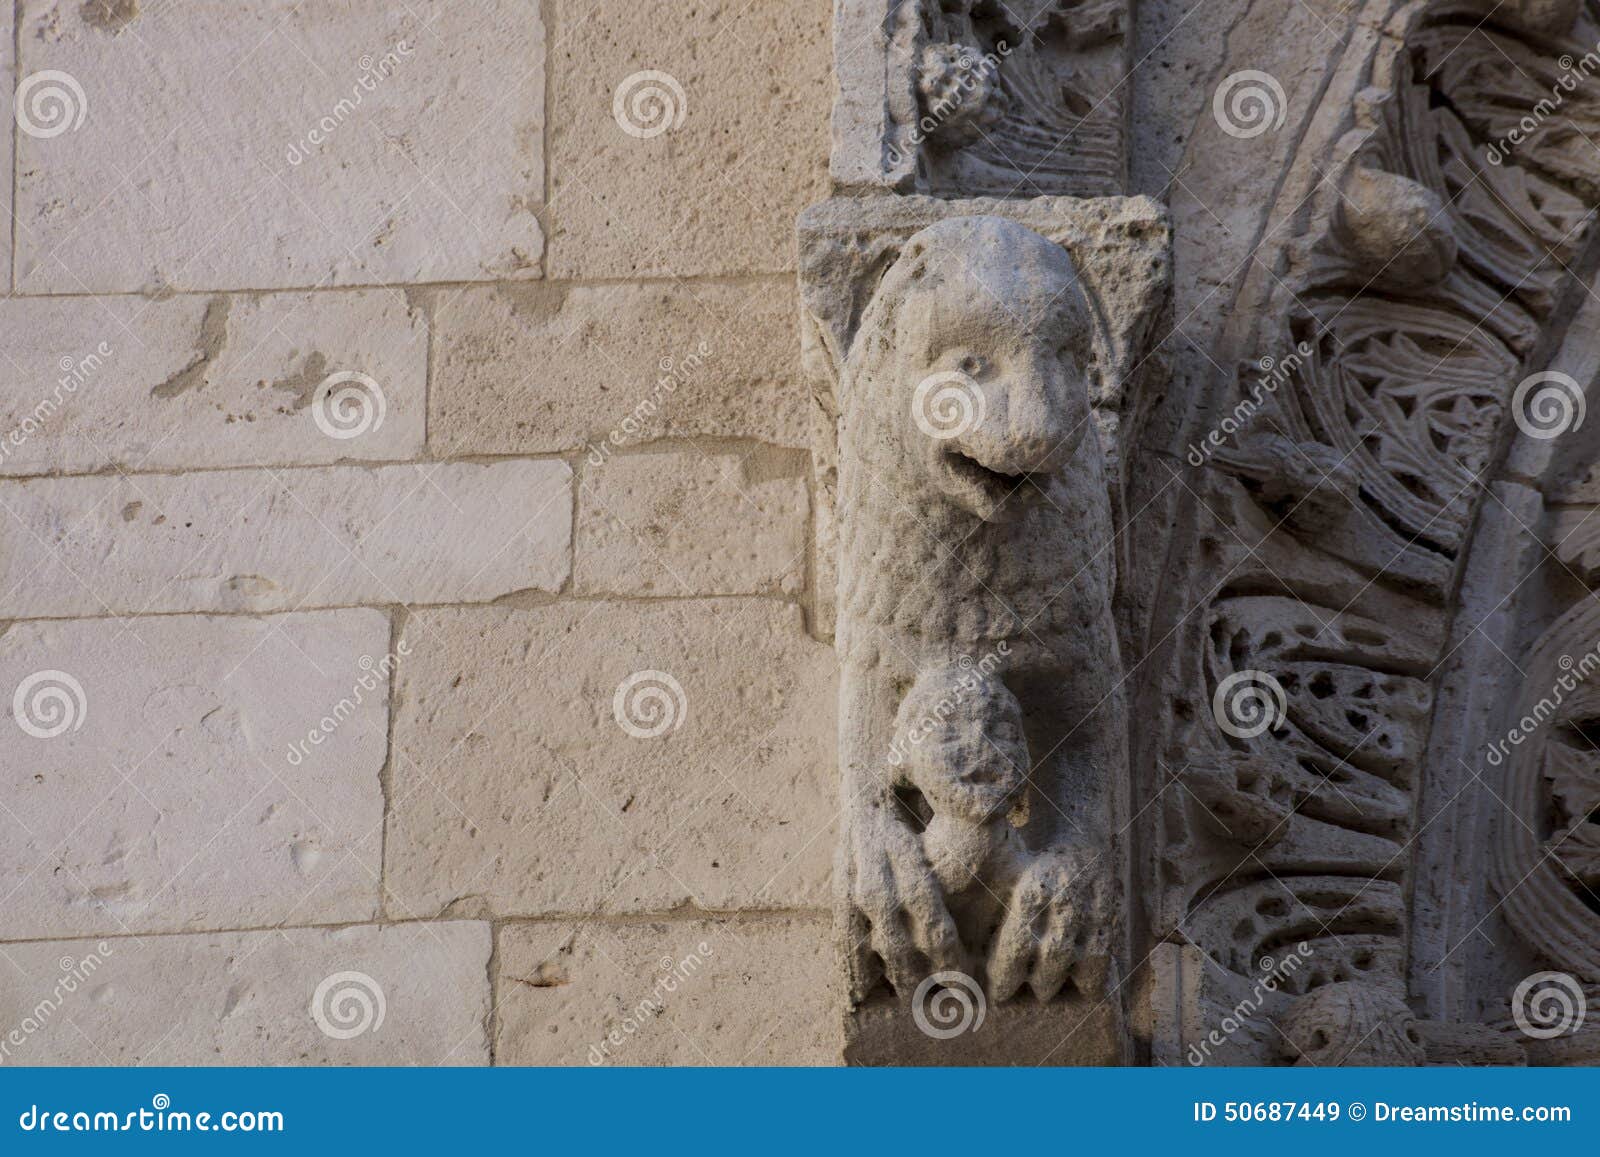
(983, 733)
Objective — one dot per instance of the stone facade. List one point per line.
(827, 531)
(394, 426)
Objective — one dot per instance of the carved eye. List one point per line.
(972, 365)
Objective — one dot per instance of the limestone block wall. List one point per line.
(404, 534)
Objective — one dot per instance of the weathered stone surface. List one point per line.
(184, 790)
(1359, 511)
(518, 790)
(247, 998)
(975, 618)
(142, 384)
(8, 70)
(699, 992)
(264, 540)
(599, 368)
(1370, 683)
(280, 145)
(719, 192)
(691, 523)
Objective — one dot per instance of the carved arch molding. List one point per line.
(1216, 692)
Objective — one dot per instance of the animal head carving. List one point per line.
(972, 361)
(960, 734)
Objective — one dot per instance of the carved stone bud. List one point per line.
(1395, 231)
(1246, 799)
(959, 90)
(1351, 1023)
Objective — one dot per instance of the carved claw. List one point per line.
(1055, 929)
(902, 907)
(1246, 798)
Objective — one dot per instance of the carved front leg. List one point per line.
(1056, 928)
(899, 923)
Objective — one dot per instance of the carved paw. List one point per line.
(1057, 928)
(898, 910)
(1246, 799)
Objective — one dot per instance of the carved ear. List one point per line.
(838, 276)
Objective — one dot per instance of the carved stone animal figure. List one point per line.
(975, 528)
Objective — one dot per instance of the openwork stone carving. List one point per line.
(1412, 272)
(965, 98)
(982, 731)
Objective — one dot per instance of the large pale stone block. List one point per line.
(407, 994)
(8, 70)
(685, 141)
(548, 368)
(268, 540)
(689, 523)
(274, 144)
(683, 993)
(192, 772)
(611, 757)
(174, 383)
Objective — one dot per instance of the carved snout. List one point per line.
(1023, 432)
